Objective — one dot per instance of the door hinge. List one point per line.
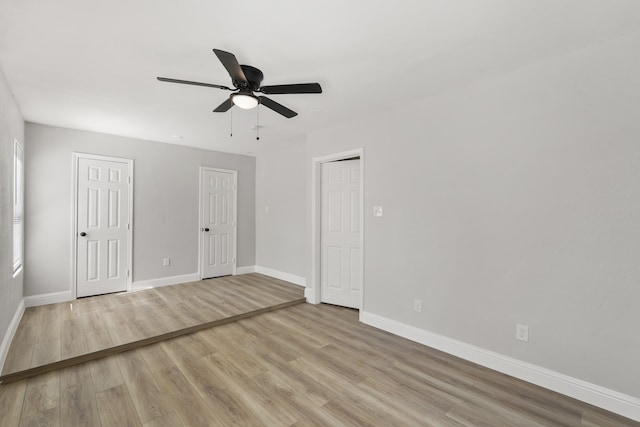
(129, 179)
(128, 226)
(128, 273)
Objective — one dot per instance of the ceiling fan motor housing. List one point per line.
(253, 75)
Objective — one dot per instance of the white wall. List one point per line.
(11, 128)
(513, 200)
(281, 185)
(165, 208)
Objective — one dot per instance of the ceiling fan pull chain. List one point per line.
(231, 125)
(258, 123)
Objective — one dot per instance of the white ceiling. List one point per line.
(92, 65)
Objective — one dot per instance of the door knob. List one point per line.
(83, 234)
(206, 229)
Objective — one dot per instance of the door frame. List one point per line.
(75, 157)
(312, 293)
(203, 169)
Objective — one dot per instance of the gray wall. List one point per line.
(281, 185)
(11, 127)
(512, 200)
(165, 204)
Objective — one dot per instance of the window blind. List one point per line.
(18, 206)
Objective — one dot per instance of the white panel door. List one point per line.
(340, 259)
(102, 226)
(218, 223)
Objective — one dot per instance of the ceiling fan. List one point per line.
(246, 80)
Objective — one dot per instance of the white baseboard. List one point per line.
(246, 270)
(296, 280)
(310, 296)
(619, 403)
(44, 299)
(8, 336)
(164, 281)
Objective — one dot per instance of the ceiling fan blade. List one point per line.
(187, 82)
(293, 88)
(225, 106)
(278, 108)
(231, 64)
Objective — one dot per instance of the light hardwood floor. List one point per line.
(57, 335)
(303, 365)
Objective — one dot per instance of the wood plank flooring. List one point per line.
(54, 336)
(304, 365)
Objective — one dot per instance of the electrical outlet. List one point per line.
(166, 262)
(417, 305)
(377, 211)
(522, 333)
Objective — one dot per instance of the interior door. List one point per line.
(218, 222)
(340, 258)
(103, 226)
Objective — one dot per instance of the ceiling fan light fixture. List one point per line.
(245, 101)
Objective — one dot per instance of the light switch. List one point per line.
(377, 211)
